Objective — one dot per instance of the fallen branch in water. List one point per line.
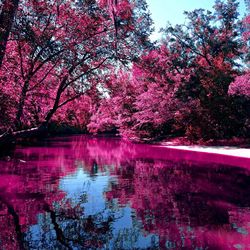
(9, 138)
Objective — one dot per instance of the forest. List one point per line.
(89, 66)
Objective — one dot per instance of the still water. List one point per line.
(101, 193)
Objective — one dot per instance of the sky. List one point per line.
(163, 11)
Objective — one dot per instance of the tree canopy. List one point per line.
(91, 65)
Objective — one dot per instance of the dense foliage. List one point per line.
(91, 65)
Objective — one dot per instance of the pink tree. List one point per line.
(59, 48)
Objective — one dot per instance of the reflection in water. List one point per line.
(96, 193)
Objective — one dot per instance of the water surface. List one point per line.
(101, 193)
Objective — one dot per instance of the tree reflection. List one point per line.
(185, 205)
(71, 230)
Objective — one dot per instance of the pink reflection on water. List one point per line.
(188, 199)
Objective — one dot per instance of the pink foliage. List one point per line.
(158, 84)
(75, 113)
(241, 86)
(246, 22)
(115, 112)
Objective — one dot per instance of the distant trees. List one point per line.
(115, 113)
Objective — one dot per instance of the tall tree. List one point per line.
(213, 48)
(9, 8)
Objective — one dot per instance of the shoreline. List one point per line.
(232, 151)
(237, 149)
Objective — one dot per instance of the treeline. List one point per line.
(90, 65)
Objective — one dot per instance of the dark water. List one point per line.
(88, 193)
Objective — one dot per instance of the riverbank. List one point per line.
(236, 147)
(221, 150)
(183, 141)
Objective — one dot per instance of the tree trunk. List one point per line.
(56, 103)
(16, 221)
(21, 104)
(53, 110)
(6, 19)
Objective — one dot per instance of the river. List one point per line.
(83, 192)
